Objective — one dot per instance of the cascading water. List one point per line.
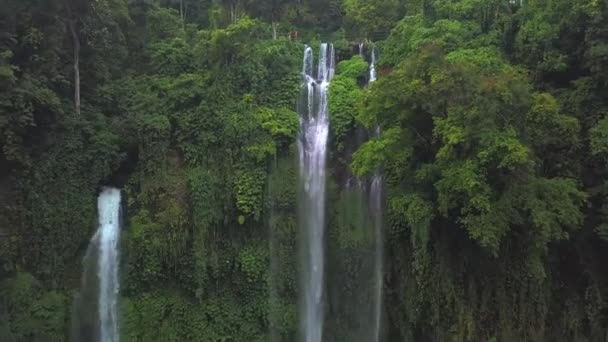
(375, 200)
(312, 149)
(109, 234)
(100, 284)
(372, 67)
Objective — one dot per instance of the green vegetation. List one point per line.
(494, 144)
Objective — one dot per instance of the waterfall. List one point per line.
(307, 63)
(372, 67)
(100, 283)
(108, 206)
(375, 200)
(361, 50)
(312, 151)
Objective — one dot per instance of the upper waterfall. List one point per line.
(372, 67)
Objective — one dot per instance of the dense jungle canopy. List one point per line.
(494, 147)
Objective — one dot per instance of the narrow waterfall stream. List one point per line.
(372, 67)
(100, 281)
(376, 218)
(312, 151)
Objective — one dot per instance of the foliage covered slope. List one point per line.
(494, 144)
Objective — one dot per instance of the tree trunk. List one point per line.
(76, 45)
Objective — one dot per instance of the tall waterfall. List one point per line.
(100, 283)
(312, 150)
(375, 200)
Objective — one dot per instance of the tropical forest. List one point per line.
(304, 170)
